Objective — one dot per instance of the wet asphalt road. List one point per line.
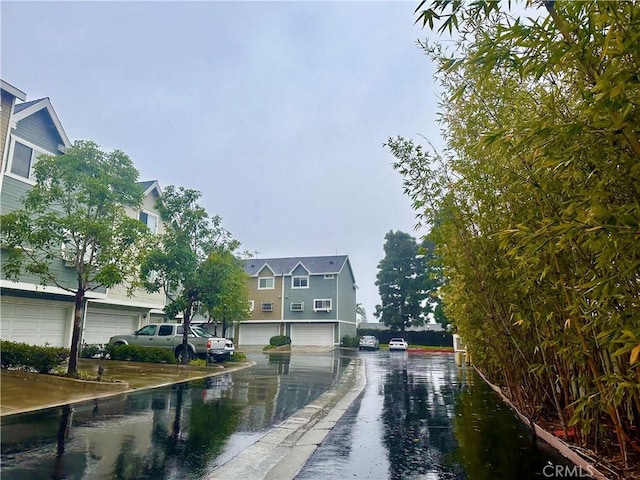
(419, 417)
(181, 431)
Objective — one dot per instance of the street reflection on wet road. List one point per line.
(421, 417)
(181, 431)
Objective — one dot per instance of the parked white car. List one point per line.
(398, 344)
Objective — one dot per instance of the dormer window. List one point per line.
(300, 281)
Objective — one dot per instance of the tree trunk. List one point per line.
(185, 333)
(78, 315)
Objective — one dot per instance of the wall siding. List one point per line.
(319, 287)
(347, 296)
(155, 300)
(66, 276)
(39, 130)
(13, 191)
(5, 113)
(259, 296)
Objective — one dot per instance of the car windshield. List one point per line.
(199, 332)
(367, 337)
(397, 340)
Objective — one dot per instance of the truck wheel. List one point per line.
(180, 353)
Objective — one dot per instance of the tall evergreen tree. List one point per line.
(405, 282)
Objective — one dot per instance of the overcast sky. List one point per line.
(276, 111)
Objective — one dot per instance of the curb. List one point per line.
(561, 446)
(283, 451)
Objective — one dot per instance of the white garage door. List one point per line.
(319, 334)
(258, 334)
(101, 325)
(36, 321)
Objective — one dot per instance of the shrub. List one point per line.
(13, 354)
(136, 353)
(90, 351)
(199, 362)
(237, 356)
(349, 341)
(279, 340)
(32, 357)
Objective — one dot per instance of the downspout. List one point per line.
(338, 325)
(283, 327)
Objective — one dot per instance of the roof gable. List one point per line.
(299, 266)
(149, 186)
(265, 267)
(11, 90)
(24, 110)
(324, 265)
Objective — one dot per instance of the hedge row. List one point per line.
(425, 337)
(22, 356)
(137, 353)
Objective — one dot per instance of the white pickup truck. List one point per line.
(169, 335)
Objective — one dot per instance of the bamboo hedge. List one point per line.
(534, 204)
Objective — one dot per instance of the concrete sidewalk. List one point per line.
(24, 392)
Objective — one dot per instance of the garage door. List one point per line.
(258, 334)
(101, 325)
(319, 334)
(36, 321)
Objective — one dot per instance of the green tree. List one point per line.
(76, 211)
(401, 282)
(174, 265)
(225, 294)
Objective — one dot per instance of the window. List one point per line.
(322, 305)
(21, 160)
(267, 306)
(300, 282)
(251, 306)
(297, 306)
(150, 220)
(147, 330)
(329, 277)
(266, 283)
(152, 276)
(165, 330)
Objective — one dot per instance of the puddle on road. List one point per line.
(421, 417)
(178, 431)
